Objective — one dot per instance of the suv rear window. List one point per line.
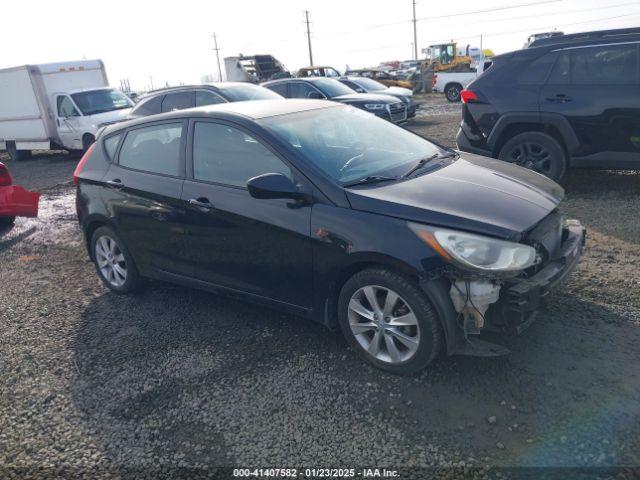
(154, 149)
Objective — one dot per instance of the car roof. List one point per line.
(254, 109)
(612, 36)
(300, 79)
(215, 85)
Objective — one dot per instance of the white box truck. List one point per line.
(56, 105)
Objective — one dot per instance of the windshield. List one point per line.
(370, 85)
(100, 101)
(349, 144)
(332, 88)
(239, 93)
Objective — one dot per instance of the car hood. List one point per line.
(110, 117)
(405, 92)
(364, 97)
(472, 193)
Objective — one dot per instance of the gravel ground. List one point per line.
(119, 385)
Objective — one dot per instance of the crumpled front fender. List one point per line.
(15, 201)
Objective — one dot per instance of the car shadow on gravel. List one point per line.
(176, 375)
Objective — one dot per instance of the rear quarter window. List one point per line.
(151, 106)
(111, 145)
(537, 71)
(154, 149)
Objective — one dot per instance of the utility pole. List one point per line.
(215, 47)
(306, 13)
(415, 33)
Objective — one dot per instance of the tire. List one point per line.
(15, 154)
(536, 151)
(417, 340)
(7, 221)
(115, 280)
(452, 92)
(87, 140)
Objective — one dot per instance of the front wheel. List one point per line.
(452, 92)
(112, 260)
(389, 321)
(536, 151)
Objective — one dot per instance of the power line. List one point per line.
(215, 43)
(488, 10)
(306, 13)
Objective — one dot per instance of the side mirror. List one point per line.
(316, 95)
(273, 185)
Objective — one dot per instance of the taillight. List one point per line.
(83, 160)
(468, 96)
(5, 176)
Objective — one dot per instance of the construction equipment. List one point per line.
(254, 68)
(450, 57)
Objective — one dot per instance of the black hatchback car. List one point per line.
(179, 98)
(330, 213)
(382, 105)
(566, 101)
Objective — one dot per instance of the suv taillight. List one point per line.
(5, 176)
(468, 96)
(83, 160)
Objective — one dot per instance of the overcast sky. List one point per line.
(172, 41)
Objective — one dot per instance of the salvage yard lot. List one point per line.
(174, 377)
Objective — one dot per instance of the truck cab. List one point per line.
(80, 113)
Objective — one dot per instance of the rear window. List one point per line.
(154, 149)
(151, 106)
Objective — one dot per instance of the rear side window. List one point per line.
(111, 145)
(279, 88)
(301, 90)
(151, 106)
(154, 149)
(177, 101)
(603, 65)
(223, 154)
(537, 71)
(205, 97)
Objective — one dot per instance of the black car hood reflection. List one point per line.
(473, 193)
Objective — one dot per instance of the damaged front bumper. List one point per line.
(518, 300)
(15, 201)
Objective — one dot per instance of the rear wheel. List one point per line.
(452, 92)
(112, 260)
(389, 321)
(536, 151)
(15, 154)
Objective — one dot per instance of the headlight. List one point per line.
(374, 106)
(476, 251)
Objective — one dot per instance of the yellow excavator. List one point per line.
(449, 57)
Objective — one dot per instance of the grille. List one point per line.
(546, 235)
(398, 112)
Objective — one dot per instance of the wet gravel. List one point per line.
(92, 383)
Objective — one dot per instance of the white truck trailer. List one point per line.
(56, 105)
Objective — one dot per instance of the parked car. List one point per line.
(15, 201)
(331, 213)
(385, 106)
(452, 82)
(178, 98)
(369, 85)
(56, 105)
(381, 76)
(566, 101)
(317, 72)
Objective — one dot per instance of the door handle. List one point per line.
(115, 183)
(560, 98)
(201, 202)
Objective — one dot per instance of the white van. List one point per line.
(56, 105)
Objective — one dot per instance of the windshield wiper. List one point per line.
(369, 179)
(423, 161)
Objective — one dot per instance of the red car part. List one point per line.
(15, 201)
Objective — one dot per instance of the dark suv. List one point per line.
(566, 101)
(179, 98)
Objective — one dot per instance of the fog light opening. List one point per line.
(471, 299)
